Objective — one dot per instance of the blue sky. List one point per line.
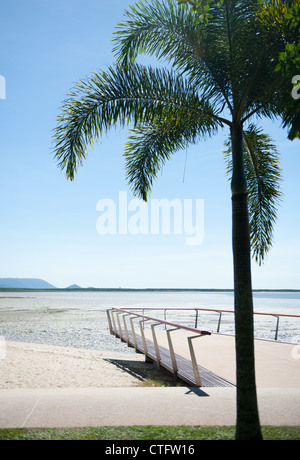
(48, 224)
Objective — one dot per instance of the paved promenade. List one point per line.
(140, 406)
(278, 382)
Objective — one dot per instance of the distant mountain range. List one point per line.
(36, 283)
(29, 283)
(25, 283)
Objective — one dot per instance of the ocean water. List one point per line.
(78, 318)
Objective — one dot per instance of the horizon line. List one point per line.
(146, 289)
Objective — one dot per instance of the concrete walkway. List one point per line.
(140, 406)
(278, 382)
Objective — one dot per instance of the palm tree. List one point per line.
(220, 74)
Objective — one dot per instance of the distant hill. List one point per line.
(24, 283)
(74, 286)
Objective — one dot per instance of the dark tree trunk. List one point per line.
(247, 424)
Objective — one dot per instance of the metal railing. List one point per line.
(184, 368)
(209, 310)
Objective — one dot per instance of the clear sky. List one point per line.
(49, 225)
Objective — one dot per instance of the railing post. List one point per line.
(133, 333)
(277, 327)
(125, 327)
(171, 348)
(114, 322)
(109, 322)
(156, 342)
(142, 326)
(120, 328)
(219, 322)
(194, 361)
(196, 320)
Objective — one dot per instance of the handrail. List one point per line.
(212, 310)
(168, 323)
(207, 309)
(183, 364)
(159, 353)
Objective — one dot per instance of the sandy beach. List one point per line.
(33, 366)
(62, 340)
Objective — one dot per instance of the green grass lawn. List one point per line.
(136, 433)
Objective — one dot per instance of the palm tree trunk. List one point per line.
(247, 424)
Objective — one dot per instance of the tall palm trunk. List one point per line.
(247, 424)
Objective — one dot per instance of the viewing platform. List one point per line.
(201, 358)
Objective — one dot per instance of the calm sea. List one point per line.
(78, 318)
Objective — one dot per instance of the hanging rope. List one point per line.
(183, 179)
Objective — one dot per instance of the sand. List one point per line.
(28, 365)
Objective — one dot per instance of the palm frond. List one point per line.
(173, 32)
(161, 28)
(150, 146)
(146, 151)
(217, 55)
(136, 95)
(263, 174)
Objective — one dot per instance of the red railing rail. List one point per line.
(211, 310)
